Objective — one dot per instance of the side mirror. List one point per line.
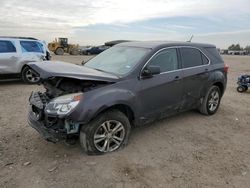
(149, 71)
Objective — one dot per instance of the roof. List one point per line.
(114, 42)
(161, 44)
(9, 37)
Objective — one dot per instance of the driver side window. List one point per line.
(167, 60)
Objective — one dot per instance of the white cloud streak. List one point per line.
(48, 19)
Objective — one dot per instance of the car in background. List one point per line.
(17, 52)
(83, 50)
(94, 50)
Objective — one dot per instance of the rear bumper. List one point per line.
(48, 134)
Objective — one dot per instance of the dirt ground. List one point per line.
(187, 150)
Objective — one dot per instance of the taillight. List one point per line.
(226, 67)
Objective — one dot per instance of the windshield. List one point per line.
(117, 60)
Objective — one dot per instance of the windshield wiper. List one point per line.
(100, 70)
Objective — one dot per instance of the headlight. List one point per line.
(64, 104)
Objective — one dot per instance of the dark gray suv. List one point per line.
(130, 84)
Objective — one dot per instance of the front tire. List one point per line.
(108, 132)
(29, 76)
(211, 101)
(59, 51)
(74, 52)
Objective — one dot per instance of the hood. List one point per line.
(48, 69)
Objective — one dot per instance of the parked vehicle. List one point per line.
(127, 85)
(83, 50)
(94, 50)
(16, 52)
(60, 46)
(243, 83)
(237, 52)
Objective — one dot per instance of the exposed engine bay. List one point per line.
(57, 86)
(54, 127)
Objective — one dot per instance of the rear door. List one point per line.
(33, 49)
(160, 95)
(195, 75)
(8, 57)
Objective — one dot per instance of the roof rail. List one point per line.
(31, 38)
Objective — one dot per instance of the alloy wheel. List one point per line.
(31, 76)
(214, 100)
(109, 136)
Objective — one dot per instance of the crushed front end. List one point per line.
(52, 125)
(51, 111)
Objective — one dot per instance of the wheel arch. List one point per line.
(124, 108)
(23, 67)
(220, 85)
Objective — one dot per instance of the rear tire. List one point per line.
(59, 51)
(108, 132)
(211, 101)
(29, 76)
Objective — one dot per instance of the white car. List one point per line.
(17, 52)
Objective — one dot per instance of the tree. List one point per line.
(247, 48)
(235, 47)
(231, 47)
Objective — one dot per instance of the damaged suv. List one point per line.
(130, 84)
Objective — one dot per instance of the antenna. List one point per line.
(190, 40)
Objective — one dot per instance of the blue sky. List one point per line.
(95, 21)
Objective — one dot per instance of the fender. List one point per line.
(215, 77)
(96, 102)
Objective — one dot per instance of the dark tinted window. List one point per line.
(215, 53)
(6, 46)
(31, 46)
(191, 57)
(166, 60)
(204, 59)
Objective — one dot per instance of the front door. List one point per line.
(160, 95)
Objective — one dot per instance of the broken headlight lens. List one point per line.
(64, 104)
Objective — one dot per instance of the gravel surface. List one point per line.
(187, 150)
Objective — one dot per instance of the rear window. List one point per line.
(191, 57)
(7, 47)
(31, 46)
(215, 53)
(204, 59)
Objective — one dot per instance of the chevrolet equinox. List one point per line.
(130, 84)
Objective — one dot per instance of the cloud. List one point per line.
(48, 19)
(83, 13)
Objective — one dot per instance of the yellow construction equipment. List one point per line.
(61, 46)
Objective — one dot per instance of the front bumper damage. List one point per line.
(51, 128)
(47, 133)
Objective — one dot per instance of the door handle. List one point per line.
(176, 78)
